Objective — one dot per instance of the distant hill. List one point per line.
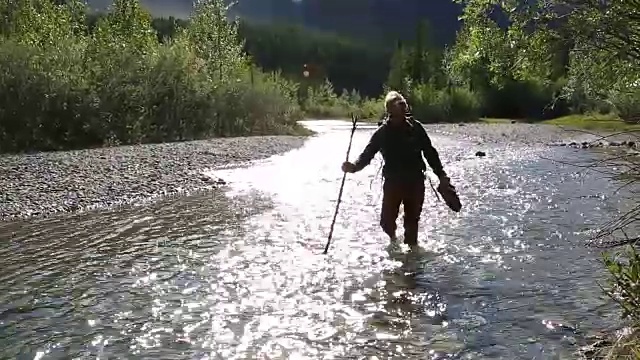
(373, 20)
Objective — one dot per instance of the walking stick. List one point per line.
(354, 122)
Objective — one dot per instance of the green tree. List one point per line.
(71, 81)
(399, 69)
(509, 56)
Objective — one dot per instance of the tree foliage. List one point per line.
(68, 82)
(347, 63)
(586, 52)
(125, 77)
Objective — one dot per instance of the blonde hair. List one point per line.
(391, 97)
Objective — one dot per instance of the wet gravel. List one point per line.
(47, 183)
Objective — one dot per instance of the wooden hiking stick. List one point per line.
(354, 121)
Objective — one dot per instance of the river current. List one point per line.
(239, 273)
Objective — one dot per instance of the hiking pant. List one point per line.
(411, 195)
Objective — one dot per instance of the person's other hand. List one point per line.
(449, 194)
(445, 182)
(348, 167)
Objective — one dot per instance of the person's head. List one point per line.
(395, 105)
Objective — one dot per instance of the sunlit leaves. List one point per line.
(66, 86)
(605, 52)
(215, 38)
(504, 39)
(40, 22)
(127, 26)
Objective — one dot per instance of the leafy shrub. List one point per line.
(454, 104)
(627, 104)
(64, 86)
(624, 288)
(322, 102)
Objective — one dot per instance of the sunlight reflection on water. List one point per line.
(243, 278)
(499, 195)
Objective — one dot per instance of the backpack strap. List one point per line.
(383, 120)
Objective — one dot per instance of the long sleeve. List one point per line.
(369, 151)
(431, 154)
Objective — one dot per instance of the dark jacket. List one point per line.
(402, 146)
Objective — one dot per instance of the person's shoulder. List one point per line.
(382, 129)
(419, 128)
(382, 123)
(383, 120)
(412, 119)
(415, 122)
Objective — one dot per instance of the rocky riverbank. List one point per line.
(45, 183)
(534, 134)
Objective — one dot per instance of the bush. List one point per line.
(627, 104)
(454, 104)
(64, 86)
(523, 99)
(624, 288)
(321, 101)
(623, 283)
(464, 104)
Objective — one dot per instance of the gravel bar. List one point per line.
(527, 134)
(46, 183)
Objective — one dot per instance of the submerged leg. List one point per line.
(413, 201)
(391, 200)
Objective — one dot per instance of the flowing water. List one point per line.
(241, 276)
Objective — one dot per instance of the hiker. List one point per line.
(401, 140)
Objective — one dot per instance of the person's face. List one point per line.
(398, 108)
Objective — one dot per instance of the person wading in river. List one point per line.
(401, 140)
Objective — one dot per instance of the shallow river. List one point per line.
(203, 277)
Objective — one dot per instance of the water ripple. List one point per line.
(241, 276)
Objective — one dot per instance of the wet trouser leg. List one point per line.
(411, 195)
(413, 200)
(392, 194)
